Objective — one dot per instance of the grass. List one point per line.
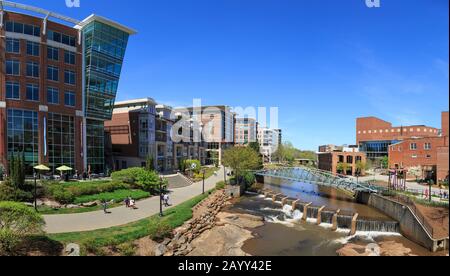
(209, 171)
(116, 196)
(45, 210)
(154, 227)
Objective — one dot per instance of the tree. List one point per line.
(285, 152)
(17, 172)
(342, 167)
(150, 163)
(189, 165)
(384, 162)
(416, 172)
(16, 222)
(255, 146)
(361, 167)
(241, 160)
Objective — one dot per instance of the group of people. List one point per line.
(130, 203)
(443, 195)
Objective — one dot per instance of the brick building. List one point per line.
(57, 83)
(429, 153)
(330, 156)
(374, 136)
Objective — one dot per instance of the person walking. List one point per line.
(105, 207)
(127, 201)
(166, 200)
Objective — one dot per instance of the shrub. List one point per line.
(9, 193)
(116, 196)
(128, 176)
(16, 222)
(190, 163)
(148, 180)
(126, 249)
(95, 187)
(220, 185)
(60, 194)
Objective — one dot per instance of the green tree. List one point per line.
(342, 168)
(361, 167)
(384, 162)
(255, 146)
(16, 222)
(190, 163)
(241, 159)
(150, 163)
(17, 172)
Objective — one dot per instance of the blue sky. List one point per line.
(322, 62)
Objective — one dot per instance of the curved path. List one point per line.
(122, 215)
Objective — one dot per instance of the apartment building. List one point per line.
(374, 136)
(141, 128)
(57, 86)
(246, 131)
(269, 140)
(429, 153)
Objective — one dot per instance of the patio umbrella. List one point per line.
(64, 169)
(38, 168)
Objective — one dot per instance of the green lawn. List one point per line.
(209, 171)
(45, 210)
(154, 227)
(116, 196)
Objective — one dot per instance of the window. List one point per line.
(27, 29)
(69, 57)
(413, 146)
(53, 73)
(32, 69)
(13, 67)
(33, 92)
(427, 146)
(33, 48)
(52, 95)
(12, 90)
(61, 38)
(52, 53)
(428, 156)
(69, 98)
(414, 156)
(13, 46)
(69, 77)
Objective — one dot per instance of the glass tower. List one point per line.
(105, 45)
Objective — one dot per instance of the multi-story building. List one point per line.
(57, 85)
(142, 128)
(217, 124)
(429, 153)
(329, 161)
(246, 131)
(269, 140)
(374, 136)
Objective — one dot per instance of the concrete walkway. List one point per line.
(122, 215)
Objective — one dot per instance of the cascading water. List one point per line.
(378, 226)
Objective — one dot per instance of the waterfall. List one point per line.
(287, 210)
(313, 212)
(327, 217)
(344, 222)
(297, 215)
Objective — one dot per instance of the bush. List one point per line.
(128, 176)
(96, 187)
(220, 185)
(198, 165)
(16, 222)
(9, 193)
(60, 194)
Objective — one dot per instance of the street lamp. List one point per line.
(225, 175)
(160, 197)
(203, 188)
(35, 169)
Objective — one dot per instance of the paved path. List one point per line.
(122, 215)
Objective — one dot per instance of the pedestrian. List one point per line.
(166, 200)
(127, 202)
(105, 207)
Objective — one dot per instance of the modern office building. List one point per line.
(428, 153)
(142, 128)
(58, 84)
(374, 136)
(246, 131)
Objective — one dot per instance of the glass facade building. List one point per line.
(61, 140)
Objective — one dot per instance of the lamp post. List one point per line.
(35, 189)
(225, 175)
(203, 187)
(160, 198)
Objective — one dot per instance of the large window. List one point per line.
(427, 146)
(61, 38)
(52, 95)
(13, 46)
(61, 140)
(69, 77)
(69, 57)
(33, 48)
(27, 29)
(413, 146)
(33, 69)
(13, 67)
(23, 135)
(95, 145)
(69, 98)
(52, 53)
(33, 92)
(53, 73)
(12, 90)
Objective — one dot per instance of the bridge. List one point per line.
(319, 177)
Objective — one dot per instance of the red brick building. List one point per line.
(329, 160)
(430, 153)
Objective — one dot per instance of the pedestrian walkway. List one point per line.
(122, 215)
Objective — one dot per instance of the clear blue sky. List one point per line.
(322, 62)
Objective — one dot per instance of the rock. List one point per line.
(166, 242)
(72, 250)
(90, 204)
(72, 206)
(160, 250)
(169, 253)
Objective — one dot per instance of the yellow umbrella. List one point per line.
(41, 168)
(64, 168)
